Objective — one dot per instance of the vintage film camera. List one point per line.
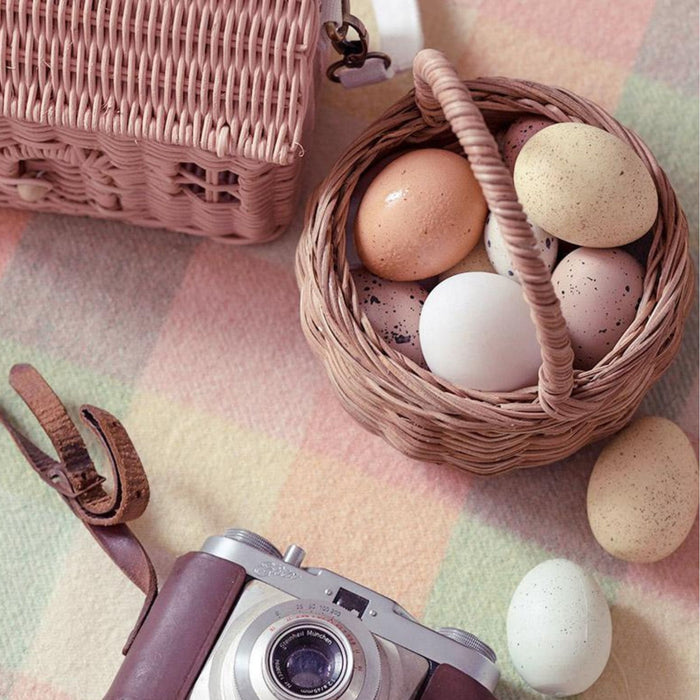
(240, 621)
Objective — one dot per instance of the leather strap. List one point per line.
(74, 476)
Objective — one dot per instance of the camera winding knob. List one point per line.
(253, 540)
(471, 641)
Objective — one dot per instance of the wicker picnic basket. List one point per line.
(428, 418)
(182, 114)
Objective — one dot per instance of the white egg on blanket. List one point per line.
(559, 629)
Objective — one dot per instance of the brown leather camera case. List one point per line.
(447, 683)
(176, 637)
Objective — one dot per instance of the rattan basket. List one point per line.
(428, 418)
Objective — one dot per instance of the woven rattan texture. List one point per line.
(150, 184)
(160, 112)
(424, 416)
(227, 76)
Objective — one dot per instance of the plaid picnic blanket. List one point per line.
(197, 348)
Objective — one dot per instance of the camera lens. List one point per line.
(308, 661)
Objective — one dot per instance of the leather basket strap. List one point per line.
(74, 476)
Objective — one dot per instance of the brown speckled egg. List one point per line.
(477, 260)
(599, 291)
(393, 309)
(585, 185)
(643, 491)
(420, 216)
(518, 134)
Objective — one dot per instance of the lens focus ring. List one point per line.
(272, 660)
(309, 660)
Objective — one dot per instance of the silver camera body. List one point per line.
(300, 632)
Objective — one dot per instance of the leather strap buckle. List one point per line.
(76, 479)
(58, 478)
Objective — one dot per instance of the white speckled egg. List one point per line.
(393, 309)
(476, 332)
(585, 185)
(643, 491)
(599, 291)
(499, 256)
(559, 629)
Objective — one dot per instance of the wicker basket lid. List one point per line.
(233, 77)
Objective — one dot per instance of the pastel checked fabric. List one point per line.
(197, 348)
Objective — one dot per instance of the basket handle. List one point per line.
(440, 94)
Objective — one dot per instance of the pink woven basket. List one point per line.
(183, 114)
(426, 417)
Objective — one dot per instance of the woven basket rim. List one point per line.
(391, 395)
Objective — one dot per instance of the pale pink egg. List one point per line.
(518, 134)
(393, 309)
(599, 290)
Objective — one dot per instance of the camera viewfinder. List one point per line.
(351, 602)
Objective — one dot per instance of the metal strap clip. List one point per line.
(354, 52)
